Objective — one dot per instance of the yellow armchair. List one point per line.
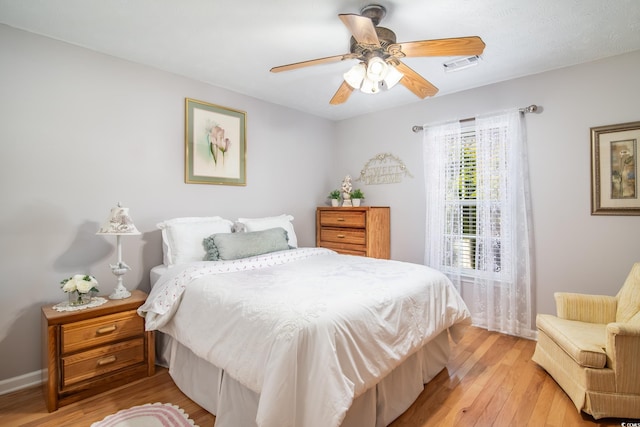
(592, 349)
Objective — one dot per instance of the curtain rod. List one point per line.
(530, 109)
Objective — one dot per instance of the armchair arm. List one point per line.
(623, 347)
(586, 308)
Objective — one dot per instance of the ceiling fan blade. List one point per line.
(415, 82)
(343, 93)
(444, 47)
(361, 28)
(325, 60)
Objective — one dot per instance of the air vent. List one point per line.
(461, 63)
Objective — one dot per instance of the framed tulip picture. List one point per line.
(614, 169)
(215, 144)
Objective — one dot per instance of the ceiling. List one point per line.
(234, 43)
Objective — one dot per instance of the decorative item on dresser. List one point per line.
(356, 197)
(90, 351)
(80, 288)
(355, 231)
(346, 191)
(335, 198)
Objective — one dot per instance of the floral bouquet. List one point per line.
(79, 287)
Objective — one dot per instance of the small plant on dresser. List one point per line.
(335, 198)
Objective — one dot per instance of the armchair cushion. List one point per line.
(586, 308)
(583, 342)
(629, 296)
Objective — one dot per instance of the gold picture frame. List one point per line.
(614, 169)
(215, 144)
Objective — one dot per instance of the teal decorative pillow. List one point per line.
(227, 246)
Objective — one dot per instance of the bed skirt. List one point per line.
(234, 405)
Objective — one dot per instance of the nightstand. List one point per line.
(89, 351)
(360, 231)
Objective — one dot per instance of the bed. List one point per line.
(297, 336)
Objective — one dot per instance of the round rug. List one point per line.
(149, 415)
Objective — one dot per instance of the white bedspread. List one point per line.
(308, 329)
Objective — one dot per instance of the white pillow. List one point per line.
(284, 221)
(182, 237)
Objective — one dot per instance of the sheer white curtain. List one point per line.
(441, 143)
(478, 230)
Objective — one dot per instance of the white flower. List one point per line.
(80, 283)
(69, 286)
(84, 286)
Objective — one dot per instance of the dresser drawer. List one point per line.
(353, 236)
(106, 329)
(98, 361)
(345, 248)
(345, 218)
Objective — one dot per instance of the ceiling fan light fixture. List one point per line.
(370, 86)
(393, 77)
(377, 69)
(355, 75)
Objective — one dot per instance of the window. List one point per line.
(460, 205)
(463, 246)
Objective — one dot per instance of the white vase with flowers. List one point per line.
(80, 288)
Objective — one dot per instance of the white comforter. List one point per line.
(308, 329)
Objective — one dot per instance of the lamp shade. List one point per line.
(393, 77)
(377, 69)
(118, 223)
(354, 76)
(369, 86)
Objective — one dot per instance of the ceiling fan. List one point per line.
(379, 56)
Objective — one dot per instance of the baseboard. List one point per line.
(22, 381)
(530, 334)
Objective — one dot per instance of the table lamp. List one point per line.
(119, 224)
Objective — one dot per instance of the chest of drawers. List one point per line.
(89, 351)
(354, 231)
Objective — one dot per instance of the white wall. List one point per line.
(80, 132)
(574, 251)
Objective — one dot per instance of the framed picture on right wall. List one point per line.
(614, 169)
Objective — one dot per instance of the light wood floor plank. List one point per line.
(543, 402)
(559, 405)
(489, 381)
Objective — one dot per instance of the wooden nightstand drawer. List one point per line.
(88, 333)
(354, 236)
(342, 218)
(102, 360)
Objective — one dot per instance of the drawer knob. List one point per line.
(340, 219)
(341, 236)
(106, 329)
(106, 360)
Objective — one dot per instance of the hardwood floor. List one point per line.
(490, 381)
